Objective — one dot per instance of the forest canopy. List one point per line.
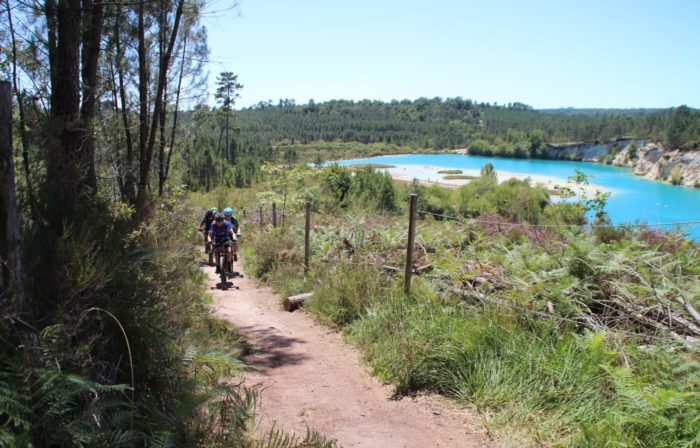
(456, 122)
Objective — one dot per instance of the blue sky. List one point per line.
(614, 53)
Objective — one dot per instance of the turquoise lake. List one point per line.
(634, 199)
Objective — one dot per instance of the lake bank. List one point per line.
(634, 199)
(431, 175)
(651, 160)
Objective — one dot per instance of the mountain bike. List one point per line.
(222, 265)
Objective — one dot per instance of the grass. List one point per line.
(450, 172)
(548, 380)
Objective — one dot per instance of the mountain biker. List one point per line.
(206, 223)
(221, 232)
(233, 220)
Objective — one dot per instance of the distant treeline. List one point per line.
(515, 130)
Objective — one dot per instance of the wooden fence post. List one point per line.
(274, 215)
(261, 217)
(10, 245)
(411, 242)
(307, 234)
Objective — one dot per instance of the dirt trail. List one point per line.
(309, 376)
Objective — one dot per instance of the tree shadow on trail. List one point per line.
(272, 348)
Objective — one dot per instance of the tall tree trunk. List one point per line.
(10, 245)
(116, 154)
(162, 114)
(143, 100)
(145, 167)
(71, 161)
(50, 7)
(221, 137)
(93, 17)
(177, 106)
(66, 168)
(128, 181)
(228, 142)
(24, 138)
(161, 150)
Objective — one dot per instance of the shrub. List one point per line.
(676, 178)
(338, 179)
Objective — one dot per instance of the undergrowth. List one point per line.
(533, 327)
(119, 348)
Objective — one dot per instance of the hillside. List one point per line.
(514, 130)
(559, 335)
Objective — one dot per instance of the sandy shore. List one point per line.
(429, 174)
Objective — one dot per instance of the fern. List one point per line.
(279, 439)
(53, 408)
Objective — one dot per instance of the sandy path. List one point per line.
(310, 376)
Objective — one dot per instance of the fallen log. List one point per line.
(689, 308)
(550, 307)
(673, 321)
(424, 268)
(473, 293)
(293, 302)
(638, 316)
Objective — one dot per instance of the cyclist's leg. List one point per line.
(228, 253)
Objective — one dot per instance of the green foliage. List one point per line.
(272, 249)
(346, 293)
(371, 187)
(683, 128)
(486, 129)
(488, 171)
(81, 381)
(514, 342)
(338, 179)
(661, 411)
(289, 188)
(47, 407)
(676, 177)
(515, 199)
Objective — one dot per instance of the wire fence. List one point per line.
(591, 321)
(592, 226)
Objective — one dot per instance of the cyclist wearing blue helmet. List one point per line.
(221, 233)
(236, 225)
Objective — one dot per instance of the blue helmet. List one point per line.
(228, 211)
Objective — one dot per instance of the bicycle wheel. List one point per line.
(221, 262)
(211, 256)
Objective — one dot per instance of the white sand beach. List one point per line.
(429, 174)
